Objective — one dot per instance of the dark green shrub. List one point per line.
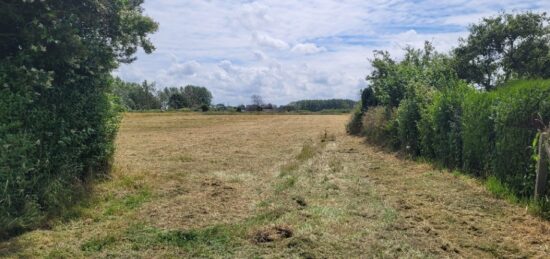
(355, 125)
(368, 99)
(518, 111)
(58, 119)
(478, 133)
(443, 118)
(408, 115)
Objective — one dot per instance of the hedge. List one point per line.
(483, 133)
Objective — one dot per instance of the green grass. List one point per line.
(127, 203)
(97, 244)
(500, 190)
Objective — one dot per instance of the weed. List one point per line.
(307, 152)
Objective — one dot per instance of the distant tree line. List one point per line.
(319, 105)
(145, 96)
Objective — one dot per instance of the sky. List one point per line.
(285, 50)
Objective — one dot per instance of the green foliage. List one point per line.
(134, 96)
(380, 127)
(58, 118)
(185, 97)
(355, 125)
(408, 116)
(478, 133)
(444, 117)
(368, 99)
(319, 105)
(519, 111)
(393, 81)
(504, 48)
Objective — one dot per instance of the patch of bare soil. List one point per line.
(271, 234)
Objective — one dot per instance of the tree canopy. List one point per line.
(504, 48)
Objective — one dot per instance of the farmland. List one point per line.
(191, 185)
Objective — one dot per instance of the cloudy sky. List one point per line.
(286, 50)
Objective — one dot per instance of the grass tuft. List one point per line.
(497, 188)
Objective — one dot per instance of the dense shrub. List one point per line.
(380, 127)
(478, 133)
(444, 115)
(408, 115)
(368, 99)
(484, 133)
(57, 116)
(355, 124)
(520, 109)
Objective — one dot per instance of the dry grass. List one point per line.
(187, 185)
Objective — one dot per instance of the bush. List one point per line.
(443, 119)
(478, 133)
(58, 118)
(355, 125)
(519, 110)
(408, 115)
(380, 127)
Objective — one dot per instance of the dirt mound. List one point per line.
(271, 234)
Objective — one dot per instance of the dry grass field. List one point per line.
(271, 186)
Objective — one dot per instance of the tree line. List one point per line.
(478, 108)
(145, 96)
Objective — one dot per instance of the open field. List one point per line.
(188, 185)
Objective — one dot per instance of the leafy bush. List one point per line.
(380, 127)
(408, 115)
(58, 118)
(355, 125)
(444, 115)
(520, 109)
(478, 133)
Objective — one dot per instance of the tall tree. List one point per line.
(505, 47)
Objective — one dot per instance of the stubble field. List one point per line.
(191, 185)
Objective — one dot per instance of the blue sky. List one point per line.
(291, 50)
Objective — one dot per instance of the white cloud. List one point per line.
(268, 41)
(307, 48)
(188, 68)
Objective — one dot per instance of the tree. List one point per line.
(197, 96)
(143, 97)
(421, 71)
(503, 48)
(257, 100)
(57, 114)
(177, 101)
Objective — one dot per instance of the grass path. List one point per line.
(277, 186)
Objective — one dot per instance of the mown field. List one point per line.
(269, 186)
